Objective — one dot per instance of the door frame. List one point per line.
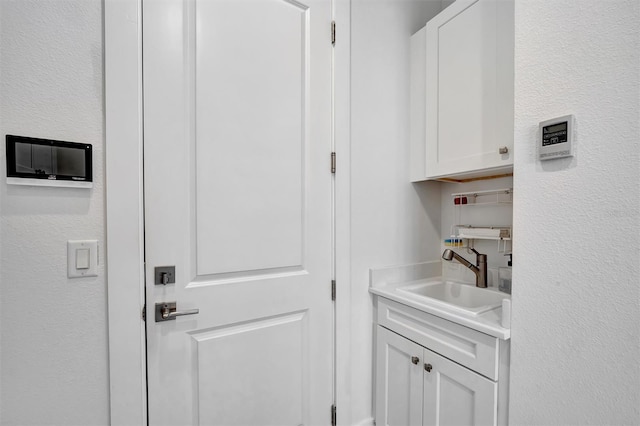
(125, 210)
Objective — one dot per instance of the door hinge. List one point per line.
(333, 290)
(333, 33)
(334, 418)
(144, 313)
(333, 162)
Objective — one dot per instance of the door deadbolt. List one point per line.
(164, 275)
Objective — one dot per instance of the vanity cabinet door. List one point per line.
(469, 89)
(455, 395)
(399, 380)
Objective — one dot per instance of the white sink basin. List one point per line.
(464, 297)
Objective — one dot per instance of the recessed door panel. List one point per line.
(251, 373)
(251, 134)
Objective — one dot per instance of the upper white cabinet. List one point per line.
(462, 92)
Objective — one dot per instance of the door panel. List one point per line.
(454, 395)
(237, 120)
(466, 78)
(258, 367)
(399, 389)
(469, 82)
(251, 105)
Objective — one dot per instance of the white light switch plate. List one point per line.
(77, 253)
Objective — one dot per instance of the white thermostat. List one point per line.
(556, 138)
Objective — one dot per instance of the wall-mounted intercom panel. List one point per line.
(47, 162)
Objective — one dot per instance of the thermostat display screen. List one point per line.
(552, 135)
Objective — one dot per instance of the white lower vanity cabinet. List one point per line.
(431, 371)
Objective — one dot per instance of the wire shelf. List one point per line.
(464, 236)
(484, 198)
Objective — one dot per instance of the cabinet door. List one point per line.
(469, 86)
(455, 395)
(399, 380)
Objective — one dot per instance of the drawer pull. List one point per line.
(428, 367)
(415, 360)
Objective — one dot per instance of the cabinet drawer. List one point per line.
(471, 348)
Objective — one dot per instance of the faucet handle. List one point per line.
(479, 256)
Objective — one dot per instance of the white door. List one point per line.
(454, 395)
(237, 141)
(399, 375)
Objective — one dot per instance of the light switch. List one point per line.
(82, 258)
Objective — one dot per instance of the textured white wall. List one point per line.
(54, 367)
(576, 294)
(393, 222)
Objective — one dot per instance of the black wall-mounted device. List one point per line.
(47, 162)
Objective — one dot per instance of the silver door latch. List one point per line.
(166, 311)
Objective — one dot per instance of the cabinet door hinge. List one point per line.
(144, 313)
(333, 33)
(333, 290)
(334, 418)
(333, 162)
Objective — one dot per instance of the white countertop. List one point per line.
(489, 322)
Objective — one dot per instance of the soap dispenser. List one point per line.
(504, 275)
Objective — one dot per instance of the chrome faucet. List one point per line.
(480, 269)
